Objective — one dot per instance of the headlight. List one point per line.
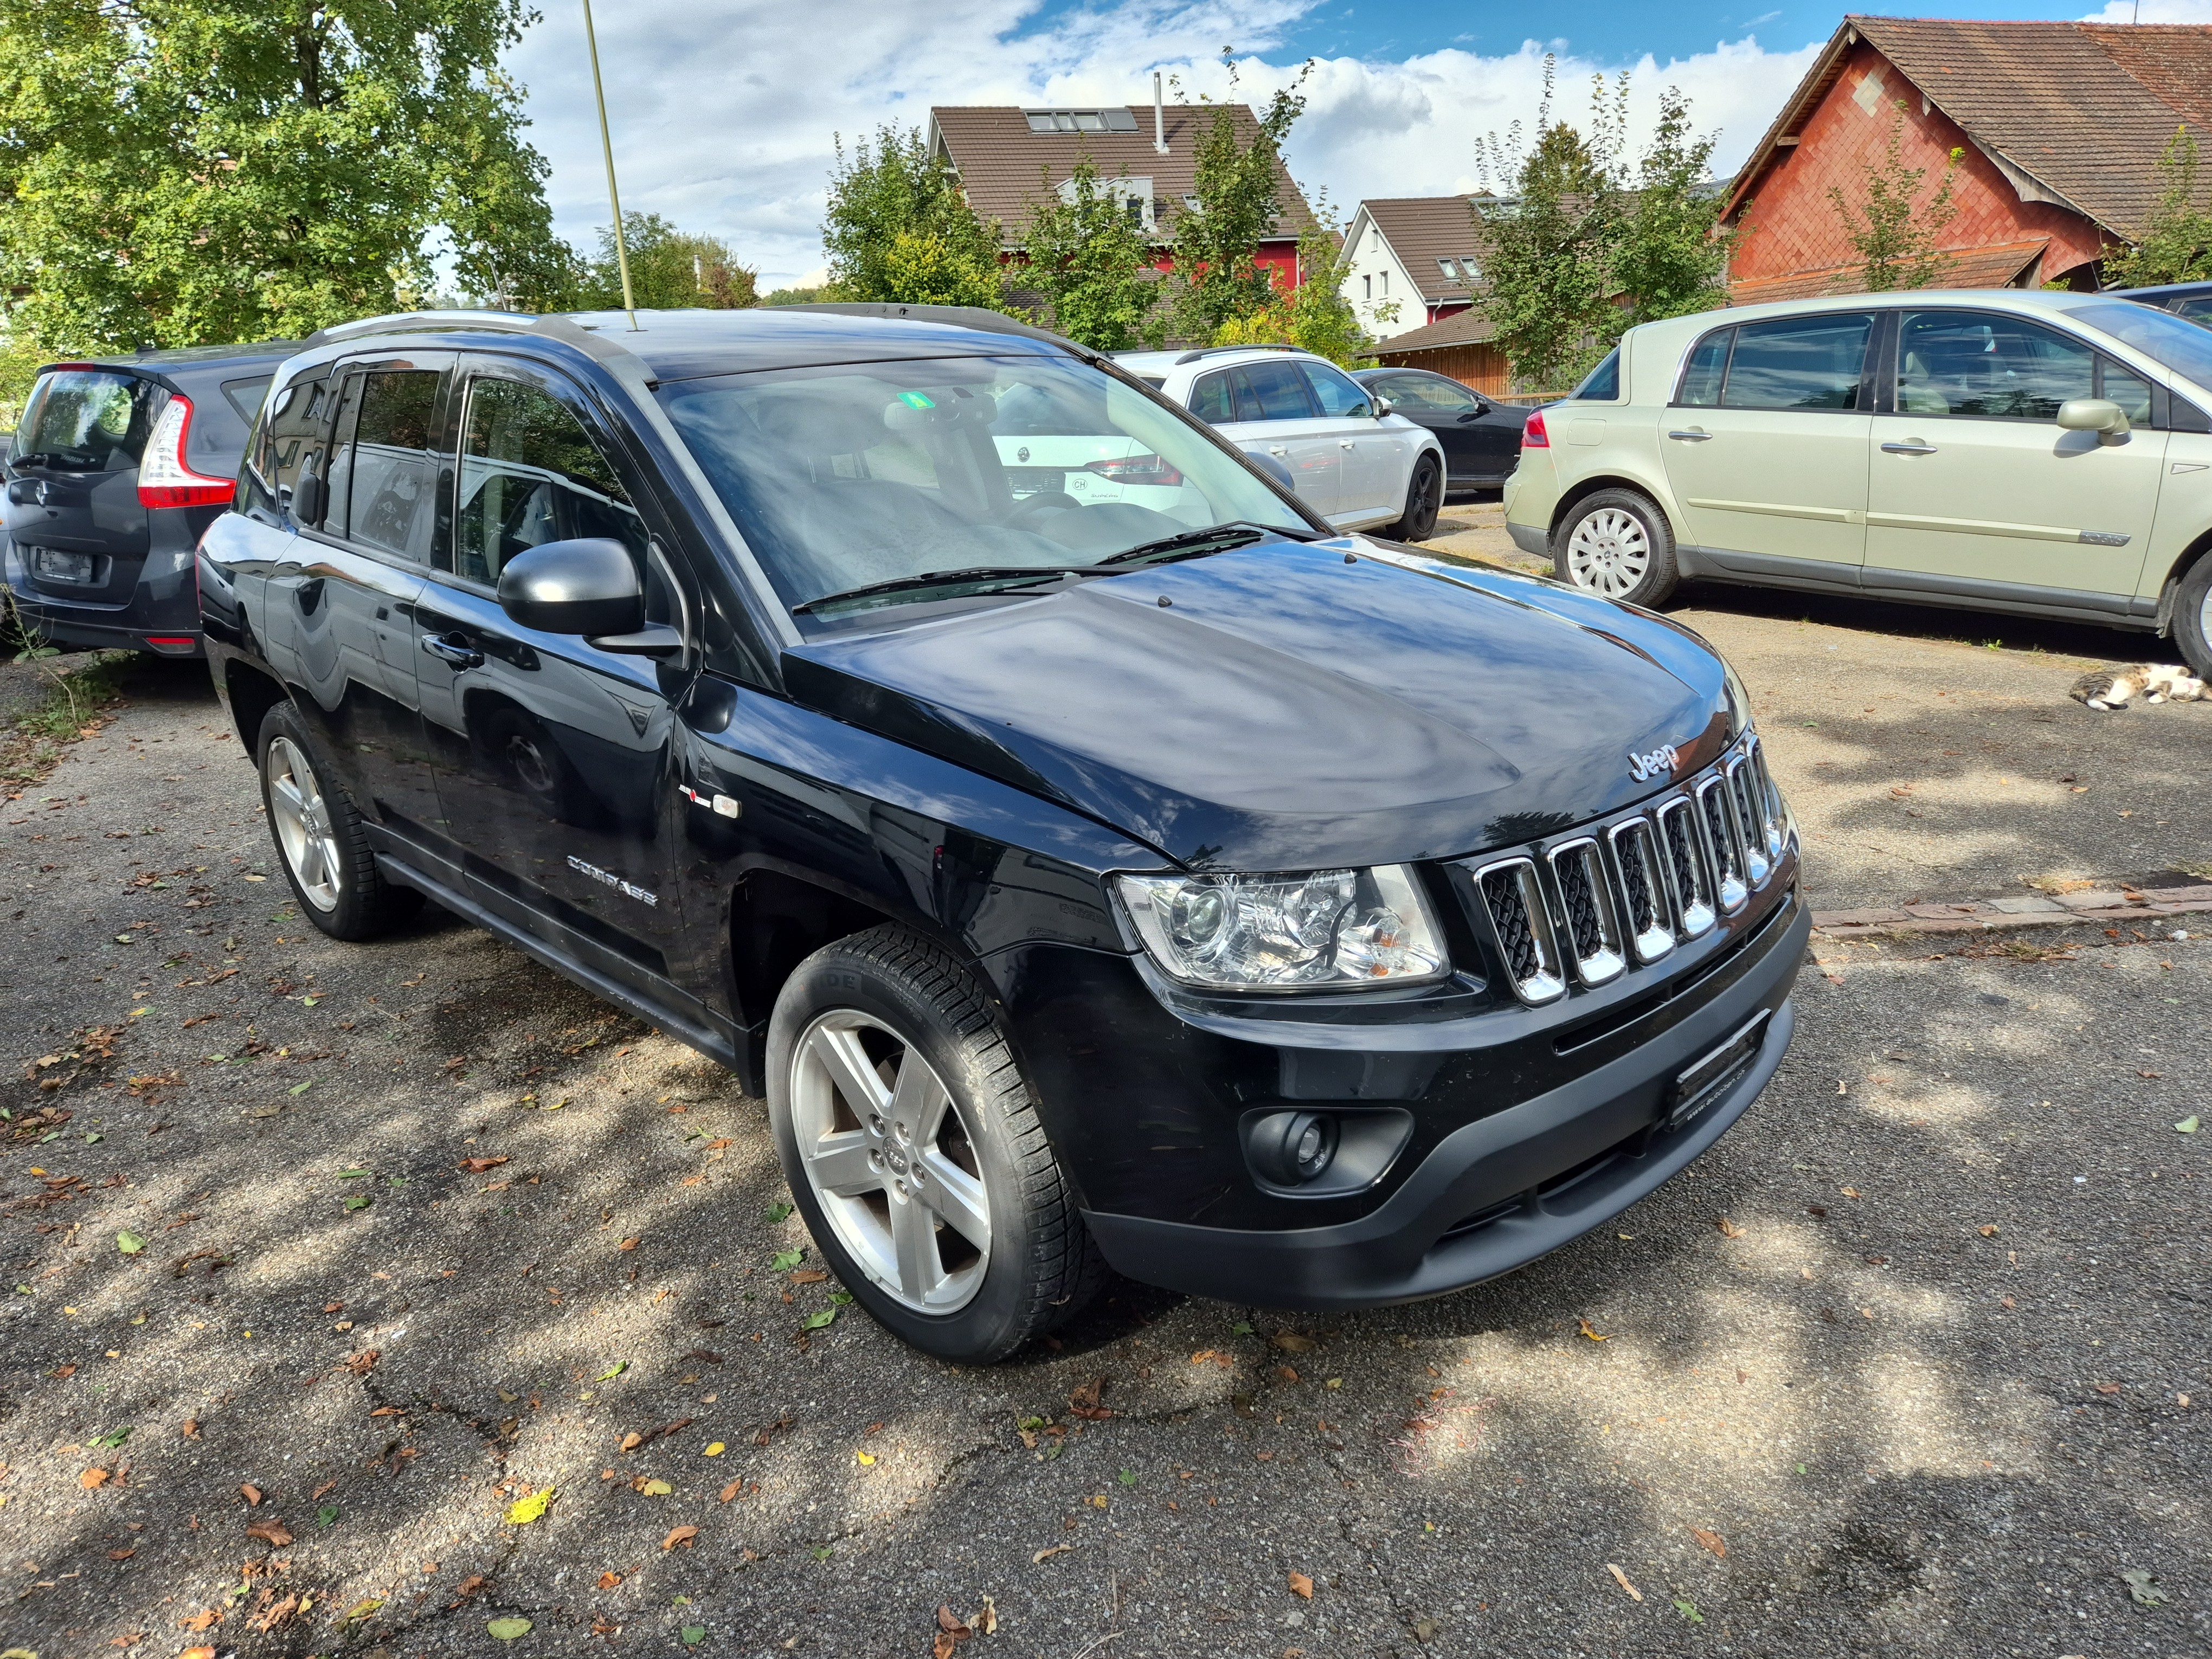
(1739, 696)
(1332, 927)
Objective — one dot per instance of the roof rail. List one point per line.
(975, 317)
(406, 320)
(1255, 345)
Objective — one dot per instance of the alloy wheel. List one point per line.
(892, 1160)
(302, 821)
(1609, 553)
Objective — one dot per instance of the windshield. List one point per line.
(856, 474)
(2184, 347)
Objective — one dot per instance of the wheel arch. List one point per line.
(2183, 565)
(251, 692)
(1583, 489)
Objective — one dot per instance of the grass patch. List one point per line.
(78, 703)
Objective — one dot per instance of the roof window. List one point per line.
(1080, 120)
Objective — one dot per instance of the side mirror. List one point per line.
(2098, 415)
(588, 585)
(308, 498)
(1383, 406)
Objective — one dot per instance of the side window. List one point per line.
(531, 474)
(1602, 384)
(1211, 399)
(1798, 363)
(1701, 375)
(383, 474)
(2126, 388)
(2198, 310)
(288, 441)
(1985, 364)
(1271, 391)
(1340, 396)
(1434, 392)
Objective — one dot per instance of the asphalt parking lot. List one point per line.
(341, 1253)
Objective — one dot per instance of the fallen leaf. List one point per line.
(1728, 1229)
(609, 1580)
(1621, 1578)
(714, 1448)
(1046, 1554)
(205, 1618)
(868, 1459)
(678, 1536)
(612, 1371)
(2142, 1587)
(1711, 1541)
(1291, 1342)
(1593, 1333)
(92, 1479)
(949, 1624)
(361, 1610)
(1851, 1192)
(632, 1441)
(1988, 1229)
(2188, 1125)
(815, 1321)
(121, 1555)
(251, 1494)
(479, 1165)
(271, 1532)
(732, 1489)
(524, 1510)
(656, 1489)
(470, 1585)
(809, 1276)
(507, 1630)
(784, 1260)
(1688, 1609)
(197, 1653)
(1426, 1629)
(691, 1635)
(1301, 1586)
(129, 1243)
(2108, 1387)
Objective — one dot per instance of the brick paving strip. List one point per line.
(2035, 910)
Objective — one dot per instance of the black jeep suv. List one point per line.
(117, 466)
(1092, 859)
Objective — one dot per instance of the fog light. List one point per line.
(1291, 1148)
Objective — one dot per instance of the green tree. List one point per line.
(899, 228)
(2177, 242)
(1314, 315)
(1547, 244)
(669, 270)
(1891, 229)
(1671, 258)
(1090, 260)
(186, 171)
(1238, 189)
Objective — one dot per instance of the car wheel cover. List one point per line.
(301, 819)
(2204, 619)
(890, 1158)
(1610, 552)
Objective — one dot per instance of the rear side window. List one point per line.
(532, 474)
(87, 420)
(1337, 394)
(1271, 391)
(1602, 384)
(383, 477)
(216, 437)
(1701, 375)
(290, 439)
(1990, 365)
(1211, 399)
(2198, 310)
(1798, 363)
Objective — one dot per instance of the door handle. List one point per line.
(460, 656)
(1344, 443)
(1690, 436)
(1279, 449)
(1913, 447)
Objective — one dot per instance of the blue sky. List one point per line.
(725, 112)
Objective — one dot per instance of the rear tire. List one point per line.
(934, 1194)
(2192, 617)
(1617, 544)
(1425, 494)
(319, 838)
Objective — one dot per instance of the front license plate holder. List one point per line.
(57, 566)
(1705, 1079)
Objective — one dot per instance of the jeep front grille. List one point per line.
(1592, 906)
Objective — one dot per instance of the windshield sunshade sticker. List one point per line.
(627, 890)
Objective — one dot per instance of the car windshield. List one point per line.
(848, 475)
(2182, 346)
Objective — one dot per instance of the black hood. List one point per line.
(1276, 707)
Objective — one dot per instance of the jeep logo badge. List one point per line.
(1662, 759)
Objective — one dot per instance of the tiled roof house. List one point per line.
(1008, 157)
(2062, 126)
(1415, 252)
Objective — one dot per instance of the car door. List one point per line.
(1269, 411)
(1479, 446)
(1976, 489)
(1378, 453)
(337, 605)
(556, 772)
(1765, 447)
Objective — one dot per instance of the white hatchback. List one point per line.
(1348, 457)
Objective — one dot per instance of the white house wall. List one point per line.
(1376, 277)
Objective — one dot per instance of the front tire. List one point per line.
(912, 1145)
(2193, 618)
(1425, 494)
(320, 840)
(1617, 544)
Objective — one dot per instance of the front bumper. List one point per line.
(1494, 1192)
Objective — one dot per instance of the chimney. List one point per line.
(1159, 117)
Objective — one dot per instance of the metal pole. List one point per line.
(607, 143)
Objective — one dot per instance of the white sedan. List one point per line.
(1350, 459)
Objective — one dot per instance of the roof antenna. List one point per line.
(614, 196)
(1159, 117)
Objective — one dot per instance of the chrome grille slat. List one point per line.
(1589, 908)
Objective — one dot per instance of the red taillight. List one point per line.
(164, 480)
(1138, 469)
(1533, 435)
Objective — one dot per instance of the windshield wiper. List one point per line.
(989, 573)
(1237, 532)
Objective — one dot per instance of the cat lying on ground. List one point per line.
(2116, 688)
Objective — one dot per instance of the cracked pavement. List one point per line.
(1900, 1367)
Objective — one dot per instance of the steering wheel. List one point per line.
(1030, 506)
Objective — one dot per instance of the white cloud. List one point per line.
(723, 110)
(2153, 11)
